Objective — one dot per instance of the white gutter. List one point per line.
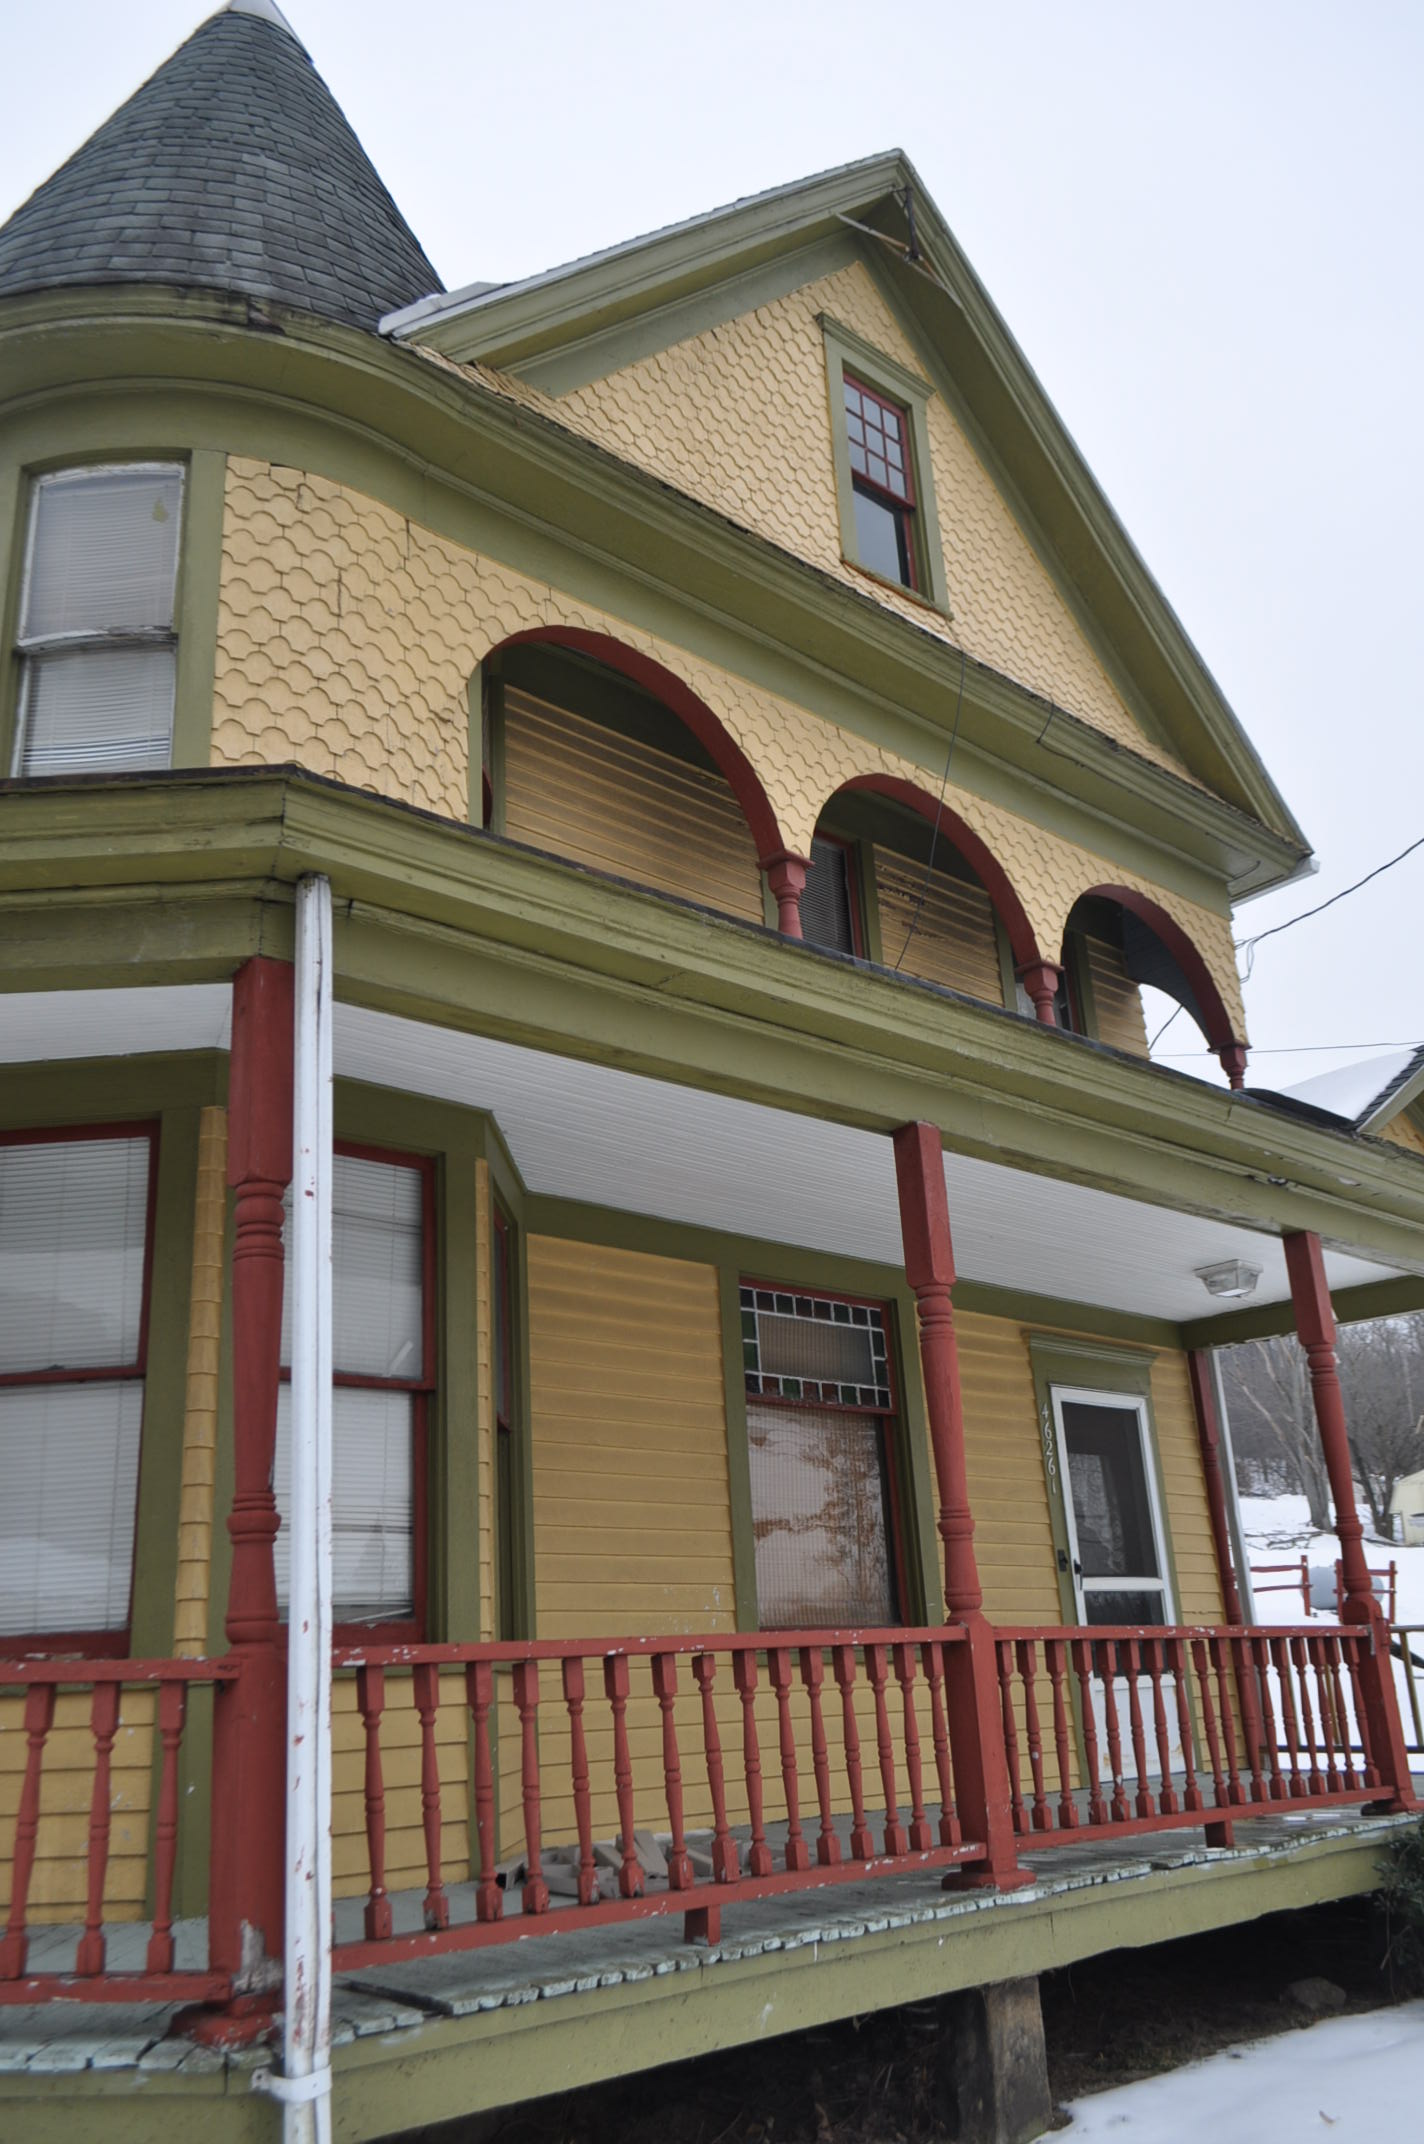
(304, 2088)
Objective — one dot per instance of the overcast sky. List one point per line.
(1201, 222)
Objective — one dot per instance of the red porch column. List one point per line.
(1315, 1324)
(249, 1728)
(1041, 979)
(981, 1773)
(786, 876)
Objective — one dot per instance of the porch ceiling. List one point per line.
(593, 1133)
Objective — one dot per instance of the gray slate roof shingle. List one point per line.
(232, 168)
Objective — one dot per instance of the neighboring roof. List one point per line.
(1369, 1092)
(566, 316)
(232, 168)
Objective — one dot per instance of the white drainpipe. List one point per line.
(304, 2088)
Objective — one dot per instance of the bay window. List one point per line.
(97, 646)
(75, 1236)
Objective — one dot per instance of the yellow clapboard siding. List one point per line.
(400, 1764)
(617, 804)
(58, 1883)
(952, 941)
(1403, 1131)
(1117, 1001)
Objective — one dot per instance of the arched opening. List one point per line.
(597, 753)
(899, 878)
(1117, 943)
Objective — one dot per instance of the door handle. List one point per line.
(1063, 1559)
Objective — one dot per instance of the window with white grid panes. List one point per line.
(97, 646)
(76, 1223)
(382, 1296)
(820, 1405)
(882, 480)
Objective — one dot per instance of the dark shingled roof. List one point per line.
(233, 168)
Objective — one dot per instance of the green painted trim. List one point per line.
(14, 494)
(523, 1584)
(848, 352)
(165, 1387)
(574, 364)
(1074, 957)
(1401, 1101)
(97, 1090)
(386, 421)
(476, 694)
(196, 607)
(1263, 1321)
(739, 1480)
(1008, 978)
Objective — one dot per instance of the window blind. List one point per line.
(377, 1256)
(67, 1515)
(371, 1499)
(103, 551)
(72, 1221)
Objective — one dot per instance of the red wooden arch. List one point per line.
(996, 881)
(682, 701)
(1216, 1020)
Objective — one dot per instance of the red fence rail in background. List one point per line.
(1183, 1727)
(1294, 1577)
(845, 1734)
(92, 1975)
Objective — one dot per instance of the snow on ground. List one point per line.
(1354, 2080)
(1277, 1530)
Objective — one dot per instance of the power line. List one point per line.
(1249, 945)
(1301, 1049)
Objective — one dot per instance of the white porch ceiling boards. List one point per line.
(644, 1146)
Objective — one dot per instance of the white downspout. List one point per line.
(304, 2088)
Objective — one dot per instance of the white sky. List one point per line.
(1200, 221)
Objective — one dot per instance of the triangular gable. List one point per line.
(1079, 614)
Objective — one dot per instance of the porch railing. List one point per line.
(814, 1758)
(75, 1799)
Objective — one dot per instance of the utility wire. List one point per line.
(939, 814)
(1248, 945)
(1304, 1049)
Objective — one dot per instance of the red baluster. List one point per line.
(1055, 1650)
(615, 1683)
(1083, 1664)
(1208, 1710)
(172, 1708)
(535, 1894)
(1314, 1782)
(578, 1768)
(813, 1668)
(778, 1663)
(1108, 1657)
(371, 1703)
(1192, 1793)
(479, 1696)
(1351, 1649)
(1168, 1800)
(1145, 1804)
(39, 1718)
(1004, 1653)
(921, 1838)
(1317, 1654)
(425, 1682)
(665, 1690)
(744, 1675)
(1281, 1653)
(862, 1846)
(896, 1840)
(932, 1655)
(1342, 1713)
(726, 1866)
(1261, 1648)
(1028, 1674)
(103, 1725)
(1220, 1651)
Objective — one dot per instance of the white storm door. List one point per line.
(1118, 1553)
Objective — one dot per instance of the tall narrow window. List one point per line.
(75, 1227)
(97, 646)
(820, 1412)
(828, 903)
(878, 438)
(383, 1355)
(502, 1313)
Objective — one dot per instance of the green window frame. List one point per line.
(848, 354)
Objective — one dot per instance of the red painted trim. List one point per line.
(680, 700)
(1216, 1019)
(117, 1988)
(961, 836)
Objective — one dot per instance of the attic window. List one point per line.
(878, 444)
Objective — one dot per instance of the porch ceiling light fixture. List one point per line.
(1229, 1277)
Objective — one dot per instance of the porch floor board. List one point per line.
(69, 2036)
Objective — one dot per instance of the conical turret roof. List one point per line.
(232, 168)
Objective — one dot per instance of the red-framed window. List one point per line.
(76, 1270)
(821, 1414)
(882, 481)
(830, 905)
(384, 1363)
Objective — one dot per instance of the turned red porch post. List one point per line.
(786, 878)
(249, 1728)
(1315, 1324)
(1041, 979)
(981, 1774)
